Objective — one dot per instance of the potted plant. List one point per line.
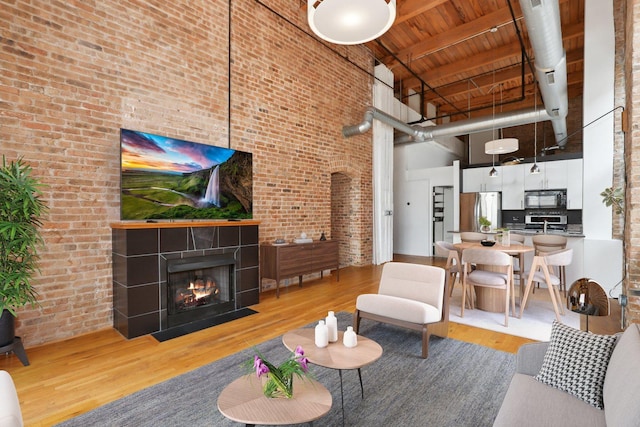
(614, 197)
(20, 211)
(485, 224)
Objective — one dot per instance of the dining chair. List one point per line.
(494, 269)
(472, 236)
(542, 270)
(517, 268)
(453, 267)
(517, 238)
(545, 243)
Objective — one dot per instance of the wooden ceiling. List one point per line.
(466, 56)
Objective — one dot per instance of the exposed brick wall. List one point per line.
(73, 74)
(631, 9)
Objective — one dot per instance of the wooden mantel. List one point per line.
(131, 225)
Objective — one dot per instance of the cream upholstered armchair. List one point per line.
(10, 414)
(411, 296)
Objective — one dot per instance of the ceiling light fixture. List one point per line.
(350, 22)
(500, 145)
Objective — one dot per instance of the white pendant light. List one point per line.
(350, 22)
(500, 145)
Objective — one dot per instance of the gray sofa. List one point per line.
(529, 402)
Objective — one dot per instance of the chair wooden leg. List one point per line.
(425, 341)
(356, 321)
(552, 292)
(453, 279)
(464, 294)
(506, 307)
(527, 289)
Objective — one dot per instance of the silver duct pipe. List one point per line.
(373, 113)
(543, 21)
(479, 124)
(545, 32)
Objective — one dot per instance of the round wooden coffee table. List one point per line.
(243, 401)
(335, 355)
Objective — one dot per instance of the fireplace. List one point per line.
(199, 287)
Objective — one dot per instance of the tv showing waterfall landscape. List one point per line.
(163, 178)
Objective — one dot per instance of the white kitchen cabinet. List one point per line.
(552, 176)
(513, 180)
(478, 179)
(574, 184)
(555, 175)
(513, 186)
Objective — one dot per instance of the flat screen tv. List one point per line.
(163, 178)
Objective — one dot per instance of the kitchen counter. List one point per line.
(554, 232)
(530, 232)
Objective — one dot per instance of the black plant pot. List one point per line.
(7, 328)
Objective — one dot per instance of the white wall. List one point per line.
(417, 169)
(602, 255)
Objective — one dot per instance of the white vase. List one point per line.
(322, 335)
(350, 338)
(332, 325)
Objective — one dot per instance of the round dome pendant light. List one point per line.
(350, 22)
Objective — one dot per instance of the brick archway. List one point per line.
(350, 224)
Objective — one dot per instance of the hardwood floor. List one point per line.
(74, 376)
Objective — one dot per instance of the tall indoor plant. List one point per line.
(21, 209)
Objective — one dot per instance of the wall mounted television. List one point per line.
(163, 178)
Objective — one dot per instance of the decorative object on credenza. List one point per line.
(302, 239)
(280, 242)
(586, 296)
(20, 219)
(279, 379)
(323, 237)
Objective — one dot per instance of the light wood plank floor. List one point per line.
(71, 377)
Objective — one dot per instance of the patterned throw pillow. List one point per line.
(576, 362)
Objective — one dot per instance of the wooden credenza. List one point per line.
(296, 259)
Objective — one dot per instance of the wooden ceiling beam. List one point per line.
(411, 8)
(455, 35)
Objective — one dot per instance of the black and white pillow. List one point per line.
(576, 362)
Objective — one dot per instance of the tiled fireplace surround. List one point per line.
(140, 254)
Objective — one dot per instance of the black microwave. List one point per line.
(545, 199)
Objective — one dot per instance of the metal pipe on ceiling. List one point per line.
(543, 21)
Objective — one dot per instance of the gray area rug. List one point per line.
(459, 384)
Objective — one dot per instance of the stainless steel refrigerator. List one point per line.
(473, 206)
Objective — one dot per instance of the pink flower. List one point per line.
(260, 367)
(304, 363)
(299, 352)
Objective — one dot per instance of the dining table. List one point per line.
(492, 299)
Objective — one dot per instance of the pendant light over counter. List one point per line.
(500, 145)
(350, 22)
(535, 169)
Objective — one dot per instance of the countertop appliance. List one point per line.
(545, 221)
(473, 206)
(545, 199)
